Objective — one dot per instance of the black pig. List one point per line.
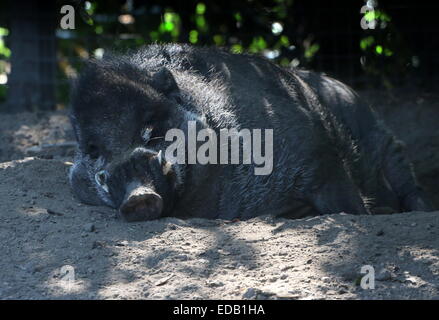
(331, 152)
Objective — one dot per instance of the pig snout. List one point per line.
(141, 203)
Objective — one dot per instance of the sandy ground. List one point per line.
(43, 230)
(53, 247)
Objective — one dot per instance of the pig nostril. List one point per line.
(101, 179)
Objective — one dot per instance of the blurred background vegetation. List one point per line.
(38, 58)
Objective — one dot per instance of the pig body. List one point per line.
(330, 151)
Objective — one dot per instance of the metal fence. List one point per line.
(400, 51)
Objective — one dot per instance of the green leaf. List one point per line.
(238, 16)
(219, 40)
(284, 41)
(258, 44)
(4, 51)
(366, 42)
(370, 16)
(388, 52)
(193, 36)
(3, 32)
(201, 23)
(99, 29)
(200, 8)
(379, 49)
(312, 50)
(236, 48)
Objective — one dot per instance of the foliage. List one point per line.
(289, 32)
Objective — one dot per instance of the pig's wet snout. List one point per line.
(140, 204)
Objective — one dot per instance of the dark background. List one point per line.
(38, 58)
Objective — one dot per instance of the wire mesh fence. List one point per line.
(326, 36)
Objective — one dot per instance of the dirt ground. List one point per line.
(53, 247)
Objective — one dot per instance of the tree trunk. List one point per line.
(33, 56)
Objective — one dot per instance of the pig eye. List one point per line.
(146, 133)
(101, 179)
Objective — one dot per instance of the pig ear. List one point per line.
(164, 82)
